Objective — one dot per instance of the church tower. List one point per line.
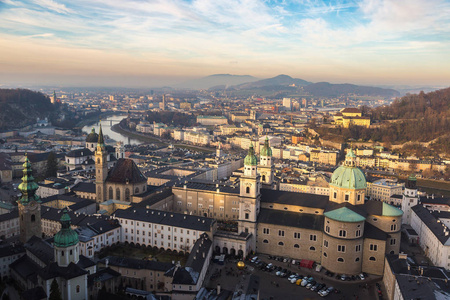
(29, 206)
(410, 199)
(66, 243)
(266, 164)
(250, 195)
(120, 151)
(101, 168)
(219, 152)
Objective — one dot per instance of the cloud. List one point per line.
(40, 35)
(53, 5)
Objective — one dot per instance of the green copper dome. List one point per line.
(266, 150)
(28, 187)
(344, 214)
(66, 237)
(349, 176)
(92, 137)
(251, 159)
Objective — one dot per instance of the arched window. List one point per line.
(98, 160)
(111, 196)
(33, 218)
(99, 192)
(264, 178)
(340, 259)
(296, 246)
(280, 244)
(372, 258)
(357, 259)
(136, 190)
(247, 190)
(127, 194)
(78, 288)
(312, 248)
(117, 194)
(62, 253)
(265, 241)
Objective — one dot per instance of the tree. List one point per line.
(55, 293)
(52, 165)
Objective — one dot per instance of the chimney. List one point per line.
(106, 262)
(432, 196)
(421, 271)
(402, 256)
(218, 289)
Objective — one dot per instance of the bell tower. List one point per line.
(101, 168)
(410, 198)
(29, 205)
(66, 242)
(250, 196)
(266, 164)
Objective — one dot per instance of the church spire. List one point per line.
(28, 187)
(100, 136)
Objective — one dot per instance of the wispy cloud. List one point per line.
(203, 36)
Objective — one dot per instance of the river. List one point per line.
(106, 128)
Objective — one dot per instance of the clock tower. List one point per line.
(101, 168)
(29, 205)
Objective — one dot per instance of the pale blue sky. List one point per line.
(144, 42)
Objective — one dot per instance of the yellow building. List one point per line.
(351, 116)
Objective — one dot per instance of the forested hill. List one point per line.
(412, 118)
(20, 107)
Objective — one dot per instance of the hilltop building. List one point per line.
(351, 116)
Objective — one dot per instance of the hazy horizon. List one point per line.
(144, 43)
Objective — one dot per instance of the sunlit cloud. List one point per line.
(310, 39)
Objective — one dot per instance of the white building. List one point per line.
(162, 229)
(383, 189)
(434, 236)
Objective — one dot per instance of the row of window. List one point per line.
(340, 259)
(155, 226)
(297, 235)
(149, 241)
(347, 197)
(295, 245)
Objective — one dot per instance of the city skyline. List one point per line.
(154, 43)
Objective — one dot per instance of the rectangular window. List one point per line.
(341, 248)
(266, 230)
(358, 232)
(325, 243)
(358, 248)
(393, 242)
(280, 232)
(246, 216)
(346, 197)
(313, 237)
(296, 235)
(327, 228)
(373, 247)
(342, 233)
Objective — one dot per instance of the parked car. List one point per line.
(344, 277)
(315, 287)
(324, 293)
(311, 284)
(361, 276)
(254, 259)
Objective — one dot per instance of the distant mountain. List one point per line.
(20, 107)
(280, 80)
(326, 89)
(216, 80)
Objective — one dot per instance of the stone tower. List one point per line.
(29, 206)
(66, 243)
(101, 167)
(120, 150)
(266, 164)
(219, 151)
(410, 198)
(250, 196)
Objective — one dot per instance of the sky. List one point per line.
(146, 43)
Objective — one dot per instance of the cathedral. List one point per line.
(342, 231)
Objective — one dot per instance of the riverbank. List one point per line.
(150, 139)
(95, 119)
(138, 136)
